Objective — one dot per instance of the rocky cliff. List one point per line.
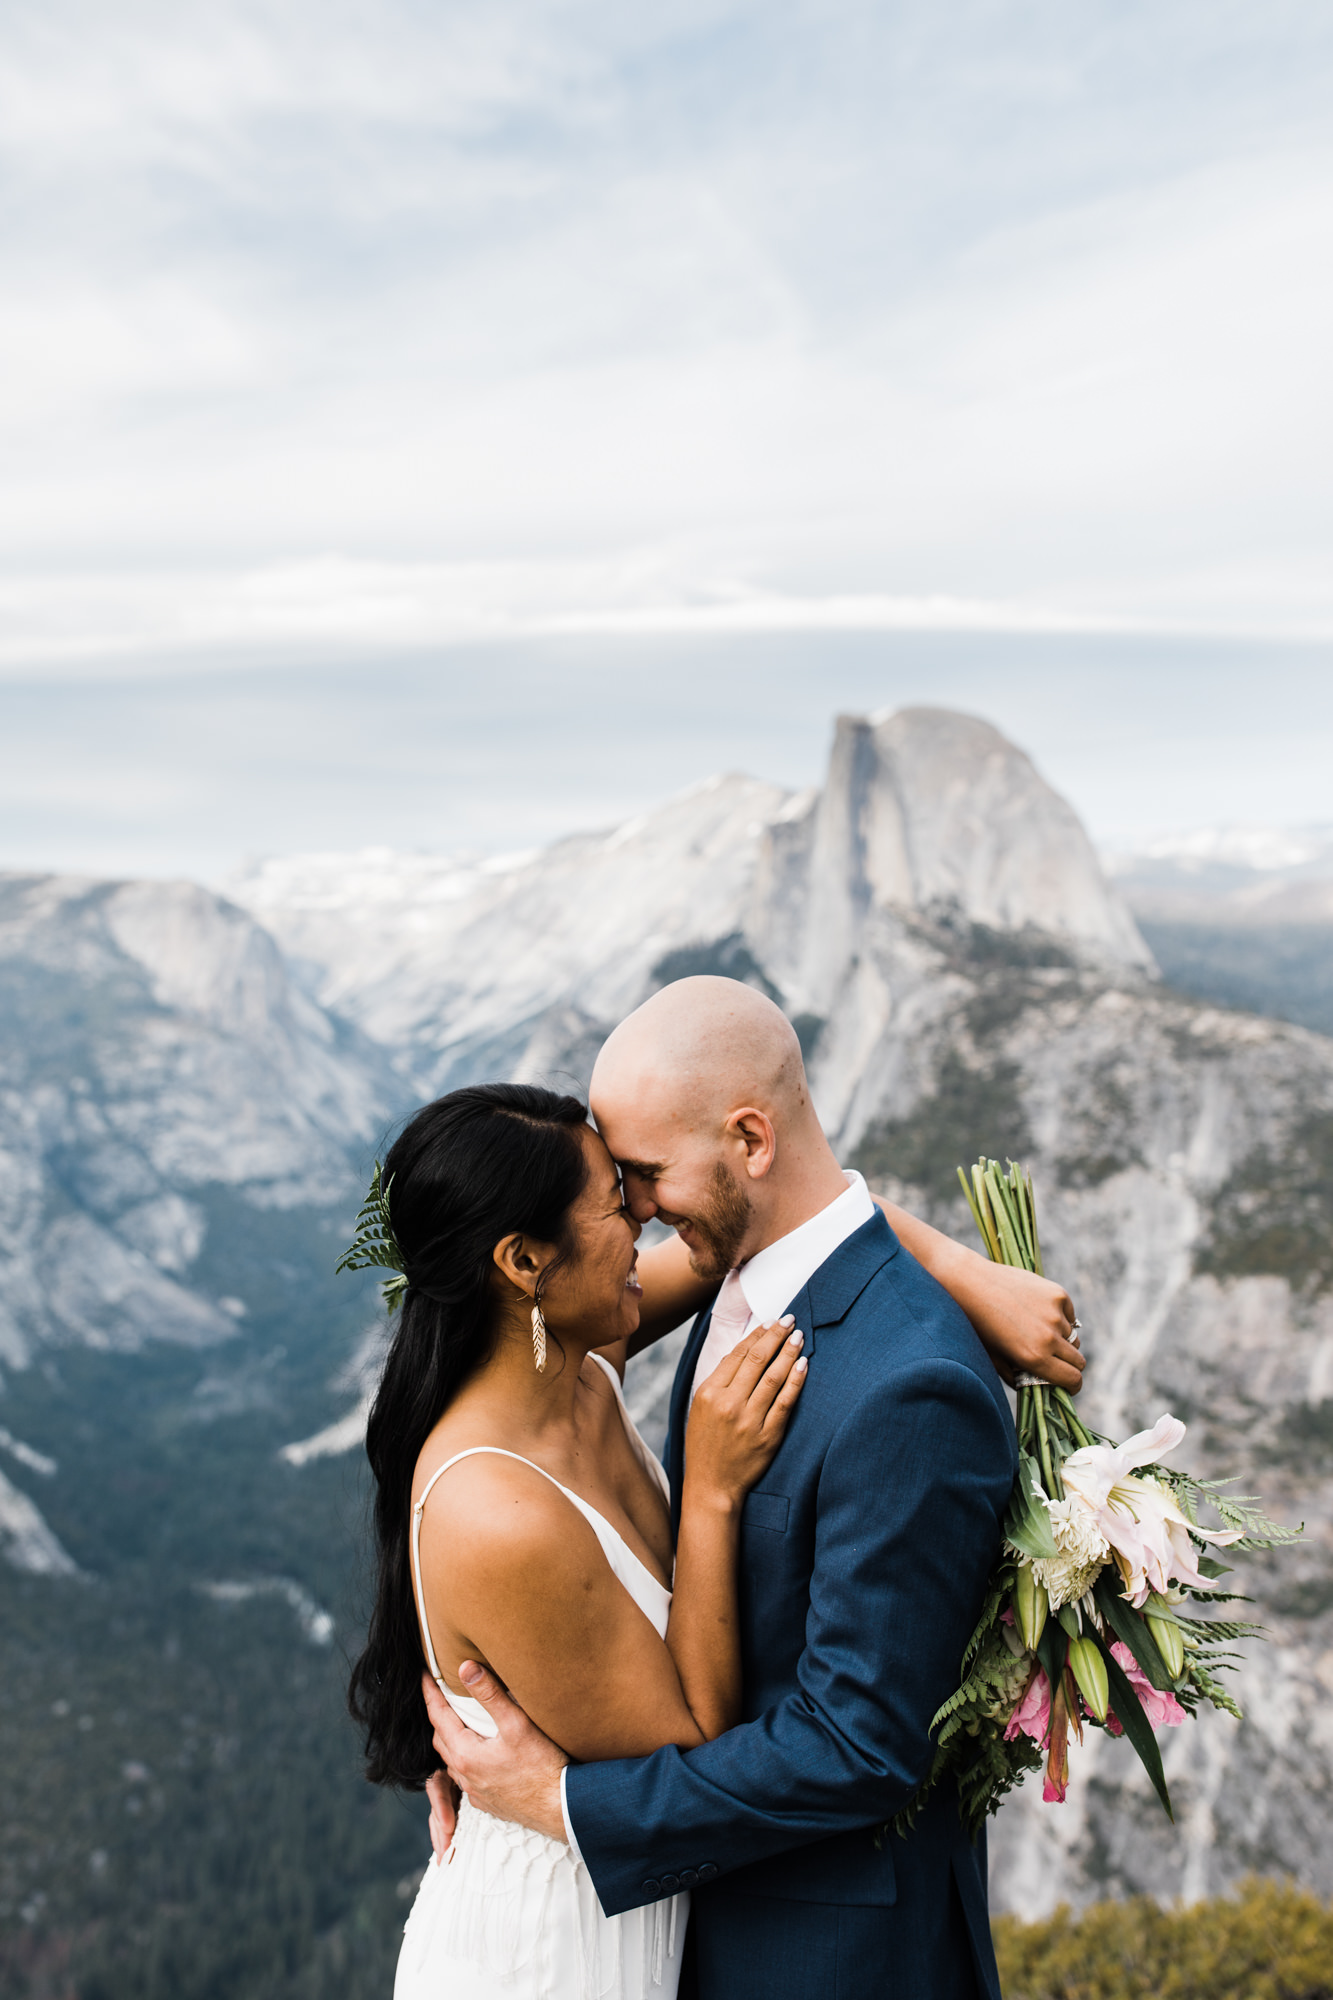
(962, 977)
(156, 1058)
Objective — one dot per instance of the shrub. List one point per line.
(1271, 1941)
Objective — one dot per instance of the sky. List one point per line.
(376, 377)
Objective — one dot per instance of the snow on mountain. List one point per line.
(1241, 875)
(1263, 849)
(1240, 914)
(509, 963)
(521, 964)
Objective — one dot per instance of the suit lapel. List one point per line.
(832, 1290)
(674, 1454)
(827, 1297)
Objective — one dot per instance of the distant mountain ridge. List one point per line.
(191, 1086)
(1240, 914)
(926, 819)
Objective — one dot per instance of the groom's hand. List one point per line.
(514, 1775)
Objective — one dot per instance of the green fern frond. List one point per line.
(997, 1595)
(374, 1247)
(1237, 1510)
(1212, 1631)
(1212, 1690)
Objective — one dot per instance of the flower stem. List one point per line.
(1077, 1429)
(1049, 1468)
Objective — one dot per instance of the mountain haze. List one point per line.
(1242, 915)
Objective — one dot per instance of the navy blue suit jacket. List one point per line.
(864, 1558)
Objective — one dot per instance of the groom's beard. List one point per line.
(722, 1225)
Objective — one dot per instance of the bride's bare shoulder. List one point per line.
(492, 1514)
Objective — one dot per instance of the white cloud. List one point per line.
(402, 324)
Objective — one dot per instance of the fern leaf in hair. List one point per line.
(374, 1245)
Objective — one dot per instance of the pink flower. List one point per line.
(1160, 1708)
(1032, 1717)
(1057, 1749)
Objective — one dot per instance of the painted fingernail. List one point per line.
(801, 1366)
(796, 1338)
(788, 1319)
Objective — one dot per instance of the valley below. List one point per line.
(193, 1087)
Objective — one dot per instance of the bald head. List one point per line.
(702, 1047)
(701, 1096)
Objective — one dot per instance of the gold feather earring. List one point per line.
(539, 1339)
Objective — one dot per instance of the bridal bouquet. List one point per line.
(1086, 1620)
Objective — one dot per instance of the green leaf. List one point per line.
(1027, 1525)
(1053, 1652)
(1132, 1630)
(1237, 1510)
(374, 1246)
(1129, 1714)
(1001, 1583)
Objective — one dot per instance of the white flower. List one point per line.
(1138, 1514)
(1082, 1551)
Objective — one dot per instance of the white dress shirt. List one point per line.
(770, 1281)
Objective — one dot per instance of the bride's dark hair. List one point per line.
(482, 1163)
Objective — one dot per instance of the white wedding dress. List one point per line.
(509, 1914)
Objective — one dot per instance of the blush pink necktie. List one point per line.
(731, 1316)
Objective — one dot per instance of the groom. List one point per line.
(864, 1553)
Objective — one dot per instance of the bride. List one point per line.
(522, 1523)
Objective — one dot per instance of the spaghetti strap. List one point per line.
(475, 1451)
(651, 1464)
(658, 1597)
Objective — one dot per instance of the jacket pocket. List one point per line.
(766, 1510)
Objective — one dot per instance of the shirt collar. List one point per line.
(774, 1275)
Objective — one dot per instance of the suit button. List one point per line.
(670, 1884)
(653, 1889)
(689, 1878)
(708, 1871)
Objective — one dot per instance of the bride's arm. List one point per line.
(531, 1596)
(1023, 1321)
(735, 1427)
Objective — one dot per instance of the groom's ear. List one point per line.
(751, 1130)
